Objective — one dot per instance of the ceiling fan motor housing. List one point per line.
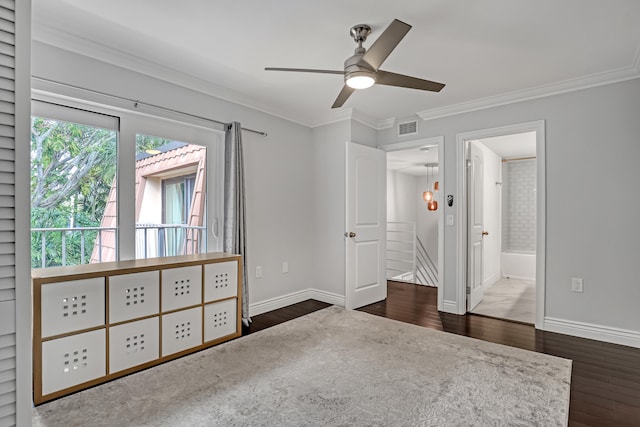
(355, 66)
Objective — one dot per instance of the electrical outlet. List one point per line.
(258, 271)
(576, 284)
(285, 267)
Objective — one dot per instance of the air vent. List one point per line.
(408, 128)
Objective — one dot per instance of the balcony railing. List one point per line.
(82, 245)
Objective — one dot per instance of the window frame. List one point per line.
(128, 124)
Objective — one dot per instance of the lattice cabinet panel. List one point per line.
(220, 319)
(181, 330)
(133, 296)
(132, 344)
(70, 304)
(95, 323)
(181, 287)
(73, 360)
(220, 281)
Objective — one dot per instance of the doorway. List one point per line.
(501, 266)
(414, 212)
(507, 187)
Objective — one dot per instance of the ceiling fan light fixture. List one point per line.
(360, 79)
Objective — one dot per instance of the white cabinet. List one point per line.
(134, 343)
(71, 303)
(73, 360)
(93, 323)
(181, 287)
(220, 280)
(181, 330)
(220, 319)
(132, 296)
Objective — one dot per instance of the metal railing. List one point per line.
(427, 270)
(76, 245)
(407, 258)
(401, 249)
(158, 240)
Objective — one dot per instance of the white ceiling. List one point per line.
(512, 146)
(480, 49)
(413, 161)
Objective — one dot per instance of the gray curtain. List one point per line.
(235, 232)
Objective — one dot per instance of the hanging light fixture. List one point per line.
(427, 196)
(432, 204)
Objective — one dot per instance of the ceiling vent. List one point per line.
(408, 128)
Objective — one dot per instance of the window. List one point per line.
(79, 212)
(170, 197)
(73, 188)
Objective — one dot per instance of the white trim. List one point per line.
(275, 303)
(415, 143)
(580, 83)
(385, 123)
(461, 139)
(328, 297)
(592, 331)
(439, 141)
(491, 280)
(449, 306)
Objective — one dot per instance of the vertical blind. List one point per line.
(7, 215)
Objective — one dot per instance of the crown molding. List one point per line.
(44, 33)
(386, 123)
(620, 75)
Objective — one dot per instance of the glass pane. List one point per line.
(170, 197)
(73, 193)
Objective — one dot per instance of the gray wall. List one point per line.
(279, 176)
(592, 147)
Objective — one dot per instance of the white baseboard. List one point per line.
(328, 297)
(594, 332)
(491, 280)
(511, 276)
(294, 298)
(450, 307)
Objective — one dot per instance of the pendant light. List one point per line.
(427, 196)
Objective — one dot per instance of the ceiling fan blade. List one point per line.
(305, 70)
(393, 79)
(344, 94)
(385, 44)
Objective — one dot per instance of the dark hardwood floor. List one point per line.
(605, 379)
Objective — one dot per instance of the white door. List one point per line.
(475, 291)
(365, 234)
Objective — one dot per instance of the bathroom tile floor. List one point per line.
(511, 299)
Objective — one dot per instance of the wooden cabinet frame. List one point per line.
(51, 276)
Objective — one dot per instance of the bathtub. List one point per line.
(519, 265)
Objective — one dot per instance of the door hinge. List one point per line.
(468, 290)
(468, 163)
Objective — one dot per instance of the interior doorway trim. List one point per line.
(461, 279)
(439, 141)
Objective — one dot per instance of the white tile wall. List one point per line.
(519, 206)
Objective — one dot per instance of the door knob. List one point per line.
(350, 234)
(485, 233)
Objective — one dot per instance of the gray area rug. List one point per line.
(333, 367)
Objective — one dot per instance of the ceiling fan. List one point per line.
(362, 70)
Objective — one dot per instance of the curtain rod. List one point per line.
(137, 103)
